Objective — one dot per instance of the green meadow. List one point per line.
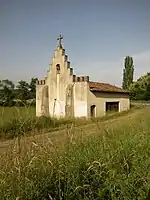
(106, 158)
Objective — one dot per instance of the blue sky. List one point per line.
(98, 34)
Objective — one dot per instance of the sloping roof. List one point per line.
(105, 87)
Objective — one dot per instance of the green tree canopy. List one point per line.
(140, 89)
(32, 87)
(7, 91)
(9, 95)
(128, 72)
(23, 91)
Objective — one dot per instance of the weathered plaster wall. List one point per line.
(42, 99)
(80, 99)
(38, 100)
(99, 99)
(58, 83)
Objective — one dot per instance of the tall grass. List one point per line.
(10, 113)
(113, 163)
(15, 121)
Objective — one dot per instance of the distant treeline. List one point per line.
(20, 95)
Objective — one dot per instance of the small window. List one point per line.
(112, 106)
(58, 68)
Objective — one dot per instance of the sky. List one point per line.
(98, 35)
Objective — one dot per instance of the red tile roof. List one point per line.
(105, 87)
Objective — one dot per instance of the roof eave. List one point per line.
(120, 92)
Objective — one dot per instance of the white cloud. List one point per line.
(111, 71)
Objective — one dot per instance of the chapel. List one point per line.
(63, 94)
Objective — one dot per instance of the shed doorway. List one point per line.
(112, 106)
(93, 111)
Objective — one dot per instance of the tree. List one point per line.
(7, 92)
(128, 72)
(32, 87)
(140, 90)
(23, 91)
(6, 83)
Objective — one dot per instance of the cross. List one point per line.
(60, 38)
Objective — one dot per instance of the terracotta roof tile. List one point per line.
(105, 87)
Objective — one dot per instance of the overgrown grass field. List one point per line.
(18, 121)
(10, 113)
(104, 160)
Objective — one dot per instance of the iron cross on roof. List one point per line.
(59, 39)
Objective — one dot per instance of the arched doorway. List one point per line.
(93, 111)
